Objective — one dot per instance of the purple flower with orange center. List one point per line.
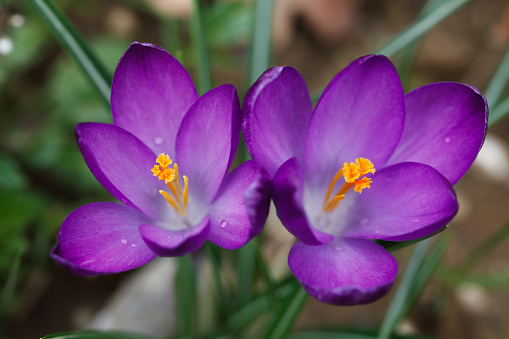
(167, 209)
(367, 163)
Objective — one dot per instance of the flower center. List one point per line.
(354, 177)
(178, 198)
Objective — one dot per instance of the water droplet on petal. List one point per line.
(123, 241)
(364, 221)
(339, 249)
(133, 244)
(447, 140)
(158, 141)
(377, 231)
(224, 223)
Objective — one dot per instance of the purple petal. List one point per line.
(344, 272)
(361, 115)
(288, 191)
(277, 109)
(150, 94)
(122, 164)
(241, 206)
(168, 243)
(444, 128)
(102, 238)
(344, 71)
(406, 201)
(207, 141)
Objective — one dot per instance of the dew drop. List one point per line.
(133, 244)
(447, 140)
(224, 223)
(364, 221)
(158, 141)
(339, 249)
(123, 241)
(377, 231)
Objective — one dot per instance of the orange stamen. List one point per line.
(353, 174)
(178, 199)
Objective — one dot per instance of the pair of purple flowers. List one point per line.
(368, 162)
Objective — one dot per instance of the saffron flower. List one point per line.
(367, 163)
(166, 158)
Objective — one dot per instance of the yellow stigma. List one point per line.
(353, 173)
(178, 198)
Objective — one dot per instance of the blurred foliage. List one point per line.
(43, 177)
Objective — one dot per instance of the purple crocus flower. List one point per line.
(168, 209)
(367, 163)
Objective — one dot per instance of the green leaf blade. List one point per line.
(75, 46)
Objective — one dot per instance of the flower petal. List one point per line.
(150, 94)
(445, 128)
(406, 201)
(102, 238)
(344, 71)
(168, 243)
(122, 164)
(361, 115)
(288, 192)
(276, 114)
(207, 141)
(344, 272)
(241, 206)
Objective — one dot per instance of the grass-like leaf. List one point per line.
(498, 81)
(500, 111)
(424, 274)
(96, 335)
(245, 272)
(256, 306)
(397, 306)
(200, 47)
(421, 26)
(284, 319)
(343, 334)
(186, 296)
(260, 49)
(76, 46)
(392, 246)
(484, 248)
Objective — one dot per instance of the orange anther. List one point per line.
(353, 173)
